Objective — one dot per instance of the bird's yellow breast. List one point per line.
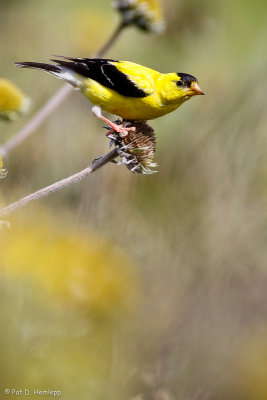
(141, 108)
(162, 95)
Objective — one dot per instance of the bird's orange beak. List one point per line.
(195, 89)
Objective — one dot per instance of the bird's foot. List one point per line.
(120, 128)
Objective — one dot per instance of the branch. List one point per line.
(95, 165)
(36, 120)
(53, 102)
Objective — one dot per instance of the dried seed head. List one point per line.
(3, 172)
(136, 148)
(12, 101)
(146, 14)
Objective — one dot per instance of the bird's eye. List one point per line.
(180, 83)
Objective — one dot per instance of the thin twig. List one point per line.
(36, 120)
(95, 165)
(53, 102)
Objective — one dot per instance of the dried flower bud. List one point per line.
(12, 101)
(3, 172)
(146, 14)
(136, 148)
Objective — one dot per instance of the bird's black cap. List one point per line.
(186, 78)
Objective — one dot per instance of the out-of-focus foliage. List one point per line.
(12, 101)
(146, 14)
(196, 231)
(76, 268)
(249, 372)
(85, 21)
(67, 293)
(2, 170)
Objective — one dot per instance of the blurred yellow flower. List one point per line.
(12, 101)
(3, 172)
(77, 268)
(146, 14)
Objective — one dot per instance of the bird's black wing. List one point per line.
(105, 73)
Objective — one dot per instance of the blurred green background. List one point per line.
(127, 286)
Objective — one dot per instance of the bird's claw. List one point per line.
(121, 130)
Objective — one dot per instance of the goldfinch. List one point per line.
(123, 88)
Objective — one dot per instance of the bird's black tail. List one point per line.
(38, 65)
(59, 71)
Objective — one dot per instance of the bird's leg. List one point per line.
(114, 127)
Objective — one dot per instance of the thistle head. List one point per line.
(137, 148)
(146, 14)
(12, 101)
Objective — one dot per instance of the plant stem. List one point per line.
(53, 102)
(36, 120)
(95, 165)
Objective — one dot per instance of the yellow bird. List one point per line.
(123, 88)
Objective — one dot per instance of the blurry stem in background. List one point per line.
(54, 101)
(95, 165)
(36, 120)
